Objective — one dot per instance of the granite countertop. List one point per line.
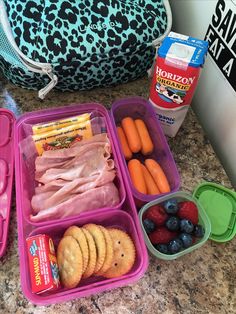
(201, 282)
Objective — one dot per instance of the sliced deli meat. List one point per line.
(51, 197)
(76, 174)
(104, 196)
(91, 162)
(68, 157)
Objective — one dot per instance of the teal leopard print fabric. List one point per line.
(90, 43)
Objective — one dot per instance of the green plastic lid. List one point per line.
(219, 204)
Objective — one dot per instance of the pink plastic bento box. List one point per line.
(7, 121)
(139, 108)
(123, 216)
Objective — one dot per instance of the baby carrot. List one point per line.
(152, 188)
(124, 144)
(136, 174)
(132, 135)
(158, 175)
(147, 145)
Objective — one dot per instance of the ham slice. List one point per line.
(63, 159)
(43, 164)
(74, 179)
(90, 163)
(104, 196)
(54, 185)
(49, 197)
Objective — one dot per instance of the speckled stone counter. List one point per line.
(201, 282)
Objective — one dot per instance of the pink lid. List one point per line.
(7, 121)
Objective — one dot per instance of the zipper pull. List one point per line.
(44, 91)
(33, 66)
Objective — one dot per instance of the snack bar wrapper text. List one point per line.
(42, 264)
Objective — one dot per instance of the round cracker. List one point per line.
(79, 236)
(109, 252)
(100, 242)
(70, 262)
(124, 254)
(92, 254)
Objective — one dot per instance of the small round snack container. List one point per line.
(203, 221)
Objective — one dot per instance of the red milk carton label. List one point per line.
(173, 87)
(42, 263)
(176, 73)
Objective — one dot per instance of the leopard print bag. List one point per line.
(79, 44)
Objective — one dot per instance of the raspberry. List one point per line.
(162, 236)
(157, 214)
(188, 210)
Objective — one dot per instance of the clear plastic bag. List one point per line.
(29, 149)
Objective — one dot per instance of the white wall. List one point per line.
(215, 99)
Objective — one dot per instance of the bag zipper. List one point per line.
(46, 68)
(33, 66)
(157, 42)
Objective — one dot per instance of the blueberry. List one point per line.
(186, 226)
(149, 225)
(171, 206)
(173, 223)
(163, 248)
(198, 231)
(175, 246)
(186, 239)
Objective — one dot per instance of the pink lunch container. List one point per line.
(7, 122)
(123, 216)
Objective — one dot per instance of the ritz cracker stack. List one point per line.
(42, 263)
(176, 73)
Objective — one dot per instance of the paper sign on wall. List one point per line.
(221, 35)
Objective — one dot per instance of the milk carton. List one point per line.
(176, 73)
